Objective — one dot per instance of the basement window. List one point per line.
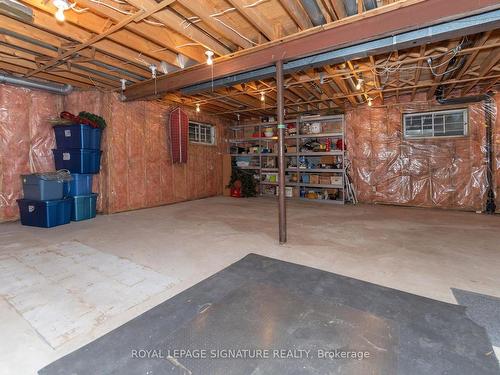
(201, 133)
(435, 124)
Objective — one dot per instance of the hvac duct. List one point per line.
(314, 12)
(46, 86)
(462, 100)
(351, 6)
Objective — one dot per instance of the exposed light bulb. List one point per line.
(198, 107)
(370, 102)
(60, 15)
(209, 54)
(359, 84)
(61, 6)
(153, 69)
(262, 96)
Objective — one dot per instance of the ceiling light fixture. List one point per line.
(359, 84)
(62, 6)
(198, 107)
(209, 54)
(370, 102)
(262, 96)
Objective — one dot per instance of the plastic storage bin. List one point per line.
(95, 139)
(83, 161)
(83, 207)
(42, 188)
(45, 214)
(81, 184)
(77, 136)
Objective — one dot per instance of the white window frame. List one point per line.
(407, 116)
(198, 140)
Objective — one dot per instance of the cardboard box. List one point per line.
(327, 159)
(336, 180)
(324, 180)
(314, 178)
(291, 149)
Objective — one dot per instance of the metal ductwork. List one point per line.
(15, 9)
(38, 85)
(461, 100)
(351, 6)
(314, 12)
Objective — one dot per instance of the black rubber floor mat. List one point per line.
(482, 309)
(265, 316)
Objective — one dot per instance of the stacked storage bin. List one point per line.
(78, 150)
(43, 204)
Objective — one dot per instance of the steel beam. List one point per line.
(374, 32)
(280, 115)
(431, 34)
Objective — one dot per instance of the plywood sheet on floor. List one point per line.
(66, 289)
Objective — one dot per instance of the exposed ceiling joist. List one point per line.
(177, 23)
(390, 21)
(86, 44)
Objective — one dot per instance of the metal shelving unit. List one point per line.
(264, 147)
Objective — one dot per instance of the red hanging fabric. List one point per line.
(179, 133)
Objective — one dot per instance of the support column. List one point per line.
(281, 151)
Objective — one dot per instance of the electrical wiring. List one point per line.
(111, 7)
(193, 20)
(445, 73)
(78, 10)
(141, 60)
(386, 70)
(188, 45)
(99, 88)
(154, 23)
(236, 32)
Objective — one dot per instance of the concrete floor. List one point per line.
(420, 251)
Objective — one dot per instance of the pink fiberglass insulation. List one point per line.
(446, 173)
(496, 149)
(26, 141)
(136, 166)
(140, 167)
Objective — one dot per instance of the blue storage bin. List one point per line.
(83, 207)
(95, 138)
(73, 136)
(81, 184)
(41, 188)
(45, 214)
(83, 161)
(305, 178)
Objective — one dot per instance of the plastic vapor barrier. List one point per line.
(26, 140)
(445, 172)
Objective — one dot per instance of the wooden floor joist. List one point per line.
(90, 42)
(107, 40)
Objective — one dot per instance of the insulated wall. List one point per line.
(496, 150)
(26, 140)
(429, 172)
(141, 172)
(136, 170)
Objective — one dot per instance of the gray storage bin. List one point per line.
(43, 186)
